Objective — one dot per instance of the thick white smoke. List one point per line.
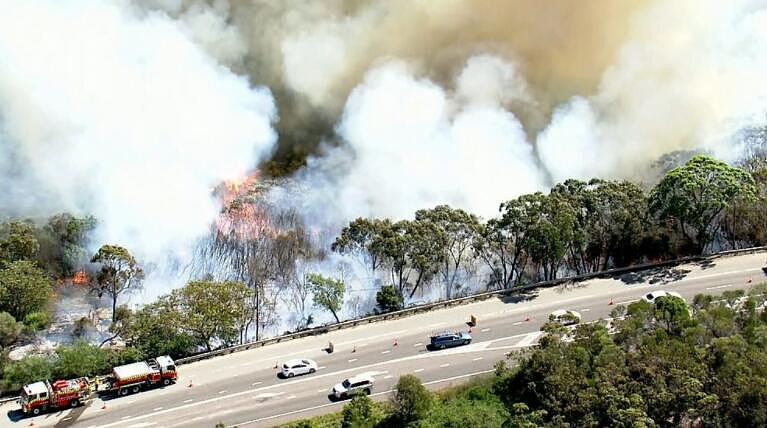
(690, 75)
(411, 144)
(111, 111)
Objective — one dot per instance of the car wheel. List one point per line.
(135, 389)
(466, 342)
(166, 381)
(73, 403)
(312, 371)
(36, 411)
(441, 346)
(291, 374)
(124, 391)
(366, 391)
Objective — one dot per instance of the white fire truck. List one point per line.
(133, 377)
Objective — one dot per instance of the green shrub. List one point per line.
(38, 320)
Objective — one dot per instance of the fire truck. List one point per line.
(133, 377)
(40, 396)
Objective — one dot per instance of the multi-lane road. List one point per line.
(242, 389)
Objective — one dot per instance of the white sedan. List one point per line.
(565, 317)
(650, 297)
(298, 367)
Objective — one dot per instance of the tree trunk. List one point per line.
(334, 315)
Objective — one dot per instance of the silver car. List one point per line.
(359, 383)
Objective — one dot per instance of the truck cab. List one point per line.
(34, 398)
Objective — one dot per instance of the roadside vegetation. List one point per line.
(698, 205)
(661, 364)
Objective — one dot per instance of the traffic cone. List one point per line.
(611, 302)
(190, 384)
(104, 406)
(749, 281)
(469, 329)
(354, 349)
(395, 343)
(32, 423)
(276, 365)
(527, 318)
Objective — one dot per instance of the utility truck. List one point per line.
(135, 376)
(41, 396)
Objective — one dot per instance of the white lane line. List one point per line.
(477, 359)
(385, 352)
(290, 397)
(269, 394)
(142, 424)
(199, 418)
(518, 323)
(719, 286)
(444, 365)
(189, 400)
(223, 391)
(391, 333)
(126, 417)
(293, 412)
(417, 345)
(321, 390)
(529, 339)
(417, 370)
(388, 377)
(485, 330)
(67, 418)
(353, 360)
(156, 409)
(320, 367)
(627, 302)
(256, 383)
(585, 309)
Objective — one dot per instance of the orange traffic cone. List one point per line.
(395, 343)
(32, 423)
(611, 302)
(190, 384)
(276, 365)
(527, 318)
(104, 406)
(749, 281)
(354, 349)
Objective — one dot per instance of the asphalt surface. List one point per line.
(242, 389)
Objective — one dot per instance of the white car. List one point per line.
(359, 383)
(298, 367)
(650, 297)
(565, 317)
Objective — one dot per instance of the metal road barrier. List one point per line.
(315, 331)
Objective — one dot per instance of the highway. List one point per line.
(242, 389)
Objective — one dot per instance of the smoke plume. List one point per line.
(108, 110)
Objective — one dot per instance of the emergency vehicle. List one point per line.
(133, 377)
(40, 396)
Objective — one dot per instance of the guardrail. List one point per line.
(457, 301)
(448, 303)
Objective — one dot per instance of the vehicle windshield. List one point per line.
(346, 383)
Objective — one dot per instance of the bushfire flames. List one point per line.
(80, 278)
(240, 216)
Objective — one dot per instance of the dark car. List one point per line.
(449, 339)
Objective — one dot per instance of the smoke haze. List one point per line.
(135, 110)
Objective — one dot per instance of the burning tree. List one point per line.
(119, 273)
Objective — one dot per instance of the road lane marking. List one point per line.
(293, 412)
(189, 400)
(156, 409)
(485, 330)
(142, 425)
(518, 323)
(67, 418)
(223, 391)
(268, 394)
(477, 359)
(290, 397)
(388, 377)
(256, 383)
(352, 360)
(417, 370)
(529, 339)
(627, 302)
(445, 365)
(320, 367)
(585, 309)
(385, 352)
(321, 390)
(391, 333)
(417, 345)
(719, 286)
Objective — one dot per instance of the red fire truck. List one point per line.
(40, 396)
(133, 377)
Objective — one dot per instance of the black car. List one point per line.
(449, 339)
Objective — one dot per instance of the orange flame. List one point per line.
(240, 217)
(80, 278)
